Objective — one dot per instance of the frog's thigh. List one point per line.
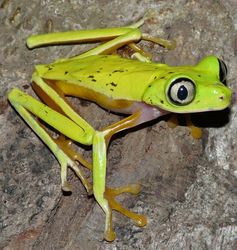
(26, 106)
(84, 131)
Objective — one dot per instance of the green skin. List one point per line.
(144, 87)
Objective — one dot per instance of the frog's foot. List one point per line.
(168, 44)
(140, 54)
(145, 56)
(65, 162)
(110, 195)
(173, 121)
(70, 158)
(66, 145)
(195, 131)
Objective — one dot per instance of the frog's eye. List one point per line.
(222, 70)
(181, 91)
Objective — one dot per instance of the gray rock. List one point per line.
(189, 186)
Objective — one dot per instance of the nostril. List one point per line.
(221, 97)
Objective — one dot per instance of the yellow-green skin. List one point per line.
(139, 88)
(126, 79)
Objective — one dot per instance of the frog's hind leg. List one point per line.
(61, 117)
(64, 143)
(130, 38)
(29, 108)
(113, 39)
(81, 36)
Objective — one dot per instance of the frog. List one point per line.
(134, 86)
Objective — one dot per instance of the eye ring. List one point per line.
(181, 91)
(222, 70)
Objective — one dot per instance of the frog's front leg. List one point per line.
(196, 132)
(104, 195)
(100, 142)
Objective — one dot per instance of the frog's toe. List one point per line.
(196, 132)
(66, 186)
(110, 236)
(140, 220)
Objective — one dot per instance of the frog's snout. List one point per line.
(225, 95)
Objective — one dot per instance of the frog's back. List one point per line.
(110, 75)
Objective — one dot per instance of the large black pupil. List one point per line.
(182, 93)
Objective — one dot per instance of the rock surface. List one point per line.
(189, 186)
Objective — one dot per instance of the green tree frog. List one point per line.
(136, 86)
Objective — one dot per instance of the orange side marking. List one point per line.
(91, 95)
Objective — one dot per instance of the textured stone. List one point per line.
(189, 186)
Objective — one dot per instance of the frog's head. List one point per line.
(190, 89)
